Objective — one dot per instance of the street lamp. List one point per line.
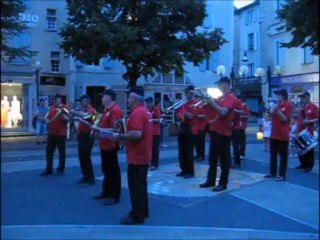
(279, 70)
(259, 73)
(243, 71)
(37, 68)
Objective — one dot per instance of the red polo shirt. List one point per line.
(244, 121)
(211, 114)
(201, 122)
(139, 152)
(156, 113)
(223, 124)
(188, 108)
(58, 126)
(83, 127)
(236, 122)
(280, 130)
(109, 117)
(311, 111)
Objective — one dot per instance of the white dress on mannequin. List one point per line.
(15, 111)
(4, 111)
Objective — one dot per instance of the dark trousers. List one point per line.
(137, 184)
(85, 144)
(219, 151)
(52, 142)
(307, 160)
(185, 147)
(155, 151)
(111, 185)
(243, 143)
(201, 144)
(237, 138)
(281, 148)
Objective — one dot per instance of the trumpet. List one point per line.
(63, 109)
(201, 102)
(176, 105)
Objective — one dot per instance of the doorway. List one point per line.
(93, 92)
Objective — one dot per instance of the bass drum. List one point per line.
(120, 127)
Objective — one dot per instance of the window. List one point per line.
(280, 53)
(251, 17)
(305, 55)
(51, 19)
(55, 61)
(250, 41)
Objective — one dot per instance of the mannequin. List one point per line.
(15, 111)
(4, 111)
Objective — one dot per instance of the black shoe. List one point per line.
(101, 196)
(269, 176)
(131, 221)
(280, 179)
(206, 185)
(219, 188)
(111, 201)
(82, 180)
(188, 176)
(130, 214)
(58, 173)
(152, 168)
(180, 174)
(46, 173)
(236, 165)
(299, 167)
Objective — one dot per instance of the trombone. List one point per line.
(176, 105)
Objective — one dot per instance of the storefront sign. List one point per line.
(31, 20)
(51, 80)
(303, 78)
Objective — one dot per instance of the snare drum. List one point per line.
(304, 142)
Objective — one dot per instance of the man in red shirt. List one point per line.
(139, 151)
(221, 129)
(111, 186)
(156, 118)
(85, 140)
(308, 116)
(279, 139)
(57, 120)
(201, 123)
(187, 134)
(239, 124)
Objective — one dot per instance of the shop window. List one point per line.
(12, 105)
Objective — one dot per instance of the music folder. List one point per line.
(105, 134)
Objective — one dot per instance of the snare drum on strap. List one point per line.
(304, 142)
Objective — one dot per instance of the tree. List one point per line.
(147, 36)
(302, 19)
(11, 26)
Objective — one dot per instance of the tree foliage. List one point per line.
(11, 26)
(147, 36)
(302, 19)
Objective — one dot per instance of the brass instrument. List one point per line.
(176, 105)
(62, 110)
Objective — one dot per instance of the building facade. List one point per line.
(51, 71)
(25, 81)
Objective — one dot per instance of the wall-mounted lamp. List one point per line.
(245, 58)
(221, 70)
(243, 71)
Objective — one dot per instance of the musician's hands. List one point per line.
(189, 115)
(115, 137)
(94, 127)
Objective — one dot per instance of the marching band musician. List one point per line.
(57, 133)
(239, 124)
(111, 186)
(220, 128)
(201, 123)
(187, 134)
(156, 118)
(85, 140)
(279, 139)
(138, 140)
(308, 116)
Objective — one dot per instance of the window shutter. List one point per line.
(309, 56)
